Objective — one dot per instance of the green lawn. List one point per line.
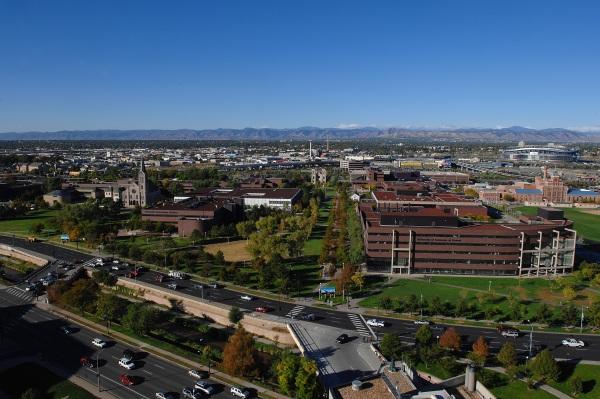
(22, 225)
(590, 375)
(586, 224)
(519, 390)
(14, 382)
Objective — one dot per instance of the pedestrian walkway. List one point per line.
(359, 325)
(20, 293)
(296, 310)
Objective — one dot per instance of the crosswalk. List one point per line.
(296, 310)
(359, 325)
(20, 293)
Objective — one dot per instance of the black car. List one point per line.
(342, 339)
(66, 329)
(308, 317)
(128, 354)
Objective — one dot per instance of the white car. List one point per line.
(376, 323)
(164, 395)
(128, 364)
(573, 343)
(422, 322)
(198, 374)
(99, 343)
(246, 297)
(240, 392)
(116, 267)
(205, 387)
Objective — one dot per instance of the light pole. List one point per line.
(98, 367)
(530, 338)
(490, 286)
(581, 322)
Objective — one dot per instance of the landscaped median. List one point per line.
(261, 325)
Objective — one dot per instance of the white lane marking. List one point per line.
(147, 372)
(159, 366)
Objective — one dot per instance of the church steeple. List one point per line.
(143, 183)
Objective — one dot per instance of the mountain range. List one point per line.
(499, 135)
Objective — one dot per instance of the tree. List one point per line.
(235, 315)
(391, 346)
(219, 258)
(424, 335)
(450, 339)
(545, 367)
(576, 385)
(469, 192)
(140, 318)
(569, 293)
(481, 350)
(110, 307)
(358, 279)
(287, 368)
(307, 383)
(239, 355)
(245, 228)
(31, 393)
(81, 295)
(507, 356)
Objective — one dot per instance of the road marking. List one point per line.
(147, 372)
(160, 367)
(295, 311)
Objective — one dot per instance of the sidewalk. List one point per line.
(171, 357)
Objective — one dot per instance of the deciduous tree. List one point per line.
(239, 355)
(545, 367)
(507, 356)
(450, 339)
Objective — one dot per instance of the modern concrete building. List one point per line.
(539, 153)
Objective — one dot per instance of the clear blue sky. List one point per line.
(204, 64)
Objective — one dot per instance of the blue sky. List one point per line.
(207, 64)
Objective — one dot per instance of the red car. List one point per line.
(159, 278)
(127, 380)
(134, 273)
(263, 309)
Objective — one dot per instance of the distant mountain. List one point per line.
(510, 134)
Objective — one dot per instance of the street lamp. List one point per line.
(530, 338)
(581, 322)
(98, 367)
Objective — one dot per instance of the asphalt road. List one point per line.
(37, 332)
(352, 322)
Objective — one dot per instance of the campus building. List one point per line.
(436, 240)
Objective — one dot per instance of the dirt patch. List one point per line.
(234, 251)
(546, 295)
(590, 211)
(521, 292)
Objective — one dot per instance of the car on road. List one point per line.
(66, 330)
(263, 309)
(509, 332)
(86, 362)
(247, 298)
(33, 286)
(159, 278)
(164, 395)
(422, 322)
(198, 374)
(177, 274)
(240, 392)
(99, 343)
(128, 354)
(128, 364)
(307, 316)
(127, 379)
(116, 267)
(343, 338)
(376, 323)
(172, 286)
(191, 393)
(205, 386)
(213, 284)
(573, 343)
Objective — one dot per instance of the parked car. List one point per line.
(198, 374)
(127, 379)
(343, 338)
(240, 392)
(573, 343)
(263, 309)
(128, 364)
(191, 393)
(246, 298)
(99, 342)
(164, 395)
(205, 386)
(376, 323)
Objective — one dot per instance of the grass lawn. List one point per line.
(518, 390)
(586, 224)
(589, 375)
(22, 225)
(14, 383)
(435, 370)
(234, 251)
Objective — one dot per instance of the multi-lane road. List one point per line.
(346, 320)
(36, 332)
